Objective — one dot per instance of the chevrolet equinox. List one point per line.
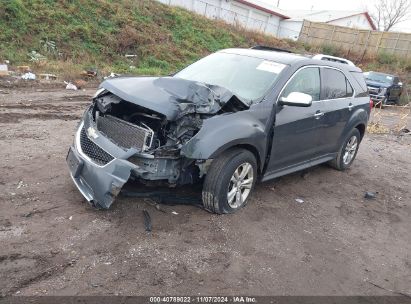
(231, 119)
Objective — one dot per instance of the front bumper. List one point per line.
(98, 183)
(377, 98)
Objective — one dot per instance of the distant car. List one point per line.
(383, 88)
(228, 120)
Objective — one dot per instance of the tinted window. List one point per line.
(305, 81)
(335, 85)
(361, 80)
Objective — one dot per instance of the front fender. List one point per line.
(221, 132)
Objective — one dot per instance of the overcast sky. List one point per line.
(333, 5)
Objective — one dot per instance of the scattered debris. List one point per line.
(48, 76)
(23, 69)
(175, 213)
(20, 184)
(71, 217)
(79, 83)
(112, 75)
(370, 195)
(299, 200)
(405, 131)
(29, 76)
(4, 70)
(89, 73)
(36, 57)
(70, 86)
(147, 220)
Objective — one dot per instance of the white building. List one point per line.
(353, 19)
(267, 18)
(252, 14)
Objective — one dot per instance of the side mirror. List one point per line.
(297, 99)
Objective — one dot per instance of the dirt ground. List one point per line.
(334, 243)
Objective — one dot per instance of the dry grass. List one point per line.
(391, 119)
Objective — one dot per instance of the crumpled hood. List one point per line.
(170, 96)
(377, 84)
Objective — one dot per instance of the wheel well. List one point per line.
(253, 150)
(361, 129)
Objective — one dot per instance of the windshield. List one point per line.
(379, 77)
(246, 77)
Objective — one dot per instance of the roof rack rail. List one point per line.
(269, 48)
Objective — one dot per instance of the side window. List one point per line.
(335, 85)
(359, 77)
(305, 81)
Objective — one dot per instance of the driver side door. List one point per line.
(295, 139)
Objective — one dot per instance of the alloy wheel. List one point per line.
(240, 185)
(350, 150)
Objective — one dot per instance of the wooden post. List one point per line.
(377, 47)
(366, 45)
(357, 34)
(396, 43)
(332, 35)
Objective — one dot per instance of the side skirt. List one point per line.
(298, 167)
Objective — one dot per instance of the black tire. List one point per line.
(219, 179)
(339, 162)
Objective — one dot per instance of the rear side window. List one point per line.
(305, 81)
(359, 77)
(335, 85)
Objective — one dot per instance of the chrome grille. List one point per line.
(373, 90)
(96, 154)
(125, 134)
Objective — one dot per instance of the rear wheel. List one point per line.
(229, 181)
(348, 151)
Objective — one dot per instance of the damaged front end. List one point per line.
(136, 127)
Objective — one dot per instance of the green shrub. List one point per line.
(386, 58)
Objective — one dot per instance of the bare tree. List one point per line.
(388, 13)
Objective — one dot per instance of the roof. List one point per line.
(264, 7)
(326, 15)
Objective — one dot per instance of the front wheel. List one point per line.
(229, 181)
(348, 151)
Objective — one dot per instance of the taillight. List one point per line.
(371, 104)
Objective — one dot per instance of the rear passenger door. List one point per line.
(337, 105)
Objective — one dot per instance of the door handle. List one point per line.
(350, 107)
(318, 115)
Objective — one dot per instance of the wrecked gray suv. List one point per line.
(228, 120)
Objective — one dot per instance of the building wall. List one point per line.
(358, 21)
(290, 29)
(232, 12)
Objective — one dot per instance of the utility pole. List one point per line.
(278, 3)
